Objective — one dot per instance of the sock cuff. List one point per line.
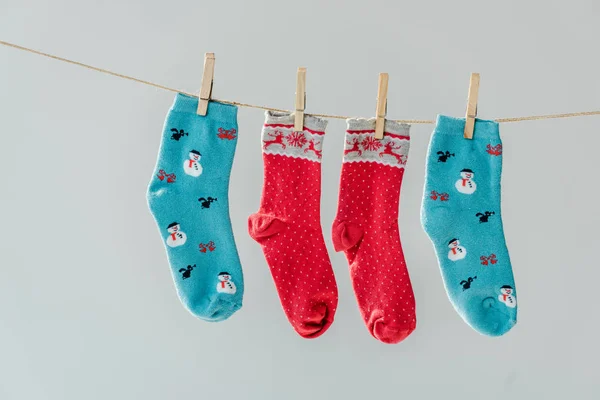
(311, 123)
(368, 125)
(279, 137)
(216, 111)
(486, 129)
(360, 144)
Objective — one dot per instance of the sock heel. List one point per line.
(437, 221)
(262, 226)
(345, 235)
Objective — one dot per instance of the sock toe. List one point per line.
(390, 333)
(218, 309)
(316, 323)
(491, 319)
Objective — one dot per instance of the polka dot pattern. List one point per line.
(289, 230)
(366, 228)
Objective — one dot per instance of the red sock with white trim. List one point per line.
(288, 223)
(366, 227)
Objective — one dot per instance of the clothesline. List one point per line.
(239, 104)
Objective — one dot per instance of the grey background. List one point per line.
(88, 307)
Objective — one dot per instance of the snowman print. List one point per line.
(506, 296)
(466, 184)
(457, 252)
(192, 166)
(176, 236)
(225, 284)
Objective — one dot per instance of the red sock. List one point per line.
(288, 224)
(366, 227)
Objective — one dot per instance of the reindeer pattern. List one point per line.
(277, 136)
(311, 147)
(285, 141)
(364, 147)
(388, 149)
(354, 147)
(391, 151)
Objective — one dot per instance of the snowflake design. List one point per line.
(296, 139)
(371, 144)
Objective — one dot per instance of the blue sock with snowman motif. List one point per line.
(461, 215)
(188, 197)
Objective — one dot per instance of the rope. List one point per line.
(236, 103)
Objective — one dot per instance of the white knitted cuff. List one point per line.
(361, 145)
(278, 136)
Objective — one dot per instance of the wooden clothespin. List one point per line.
(207, 83)
(300, 99)
(381, 105)
(472, 106)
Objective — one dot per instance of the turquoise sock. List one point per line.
(461, 215)
(188, 197)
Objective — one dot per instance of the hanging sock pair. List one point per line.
(461, 215)
(366, 228)
(188, 197)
